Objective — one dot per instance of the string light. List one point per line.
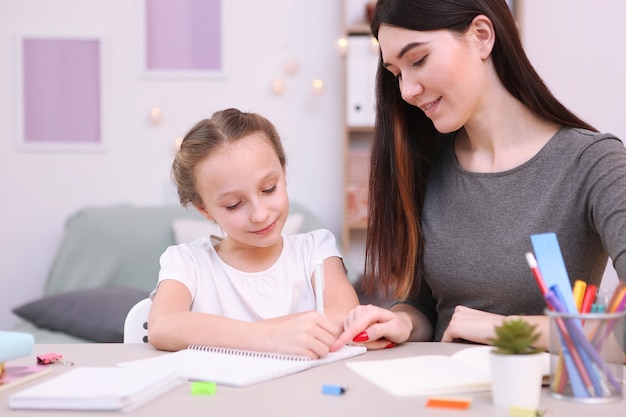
(278, 87)
(342, 46)
(155, 115)
(374, 47)
(291, 67)
(318, 86)
(177, 142)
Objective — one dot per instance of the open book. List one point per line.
(234, 367)
(465, 371)
(93, 388)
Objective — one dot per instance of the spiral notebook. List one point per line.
(234, 367)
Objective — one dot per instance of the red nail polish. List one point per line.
(361, 337)
(390, 345)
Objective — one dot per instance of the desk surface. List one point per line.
(297, 395)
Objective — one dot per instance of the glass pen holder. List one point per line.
(587, 361)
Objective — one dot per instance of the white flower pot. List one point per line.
(516, 380)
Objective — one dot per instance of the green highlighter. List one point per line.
(203, 388)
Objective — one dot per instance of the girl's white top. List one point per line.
(217, 288)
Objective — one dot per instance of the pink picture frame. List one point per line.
(60, 103)
(183, 37)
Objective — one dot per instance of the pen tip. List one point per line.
(530, 258)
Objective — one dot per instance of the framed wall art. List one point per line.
(59, 92)
(182, 37)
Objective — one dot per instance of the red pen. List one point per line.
(534, 267)
(589, 298)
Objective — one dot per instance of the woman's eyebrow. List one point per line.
(404, 50)
(408, 47)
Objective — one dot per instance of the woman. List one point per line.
(472, 154)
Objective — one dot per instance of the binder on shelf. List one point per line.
(361, 65)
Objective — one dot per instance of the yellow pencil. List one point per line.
(579, 292)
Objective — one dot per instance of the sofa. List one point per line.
(108, 261)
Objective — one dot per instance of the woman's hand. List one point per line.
(479, 326)
(472, 325)
(376, 328)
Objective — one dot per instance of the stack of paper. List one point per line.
(91, 388)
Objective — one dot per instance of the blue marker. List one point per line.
(332, 389)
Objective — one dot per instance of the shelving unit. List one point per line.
(360, 63)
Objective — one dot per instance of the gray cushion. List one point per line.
(96, 314)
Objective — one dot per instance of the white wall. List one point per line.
(40, 190)
(575, 45)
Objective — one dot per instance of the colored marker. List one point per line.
(616, 299)
(579, 293)
(458, 403)
(532, 263)
(203, 388)
(588, 298)
(515, 411)
(328, 389)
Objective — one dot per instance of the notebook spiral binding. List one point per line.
(249, 353)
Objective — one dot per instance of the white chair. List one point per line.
(136, 323)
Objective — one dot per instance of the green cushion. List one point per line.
(113, 246)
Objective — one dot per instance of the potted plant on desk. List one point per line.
(516, 366)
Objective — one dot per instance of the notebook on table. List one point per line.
(235, 367)
(467, 370)
(96, 388)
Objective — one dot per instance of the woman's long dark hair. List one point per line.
(404, 138)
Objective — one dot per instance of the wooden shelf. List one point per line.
(359, 73)
(358, 29)
(360, 129)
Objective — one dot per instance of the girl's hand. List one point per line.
(374, 327)
(306, 334)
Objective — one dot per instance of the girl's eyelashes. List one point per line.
(238, 204)
(270, 190)
(234, 206)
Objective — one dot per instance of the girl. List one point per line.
(254, 289)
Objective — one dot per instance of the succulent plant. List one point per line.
(515, 337)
